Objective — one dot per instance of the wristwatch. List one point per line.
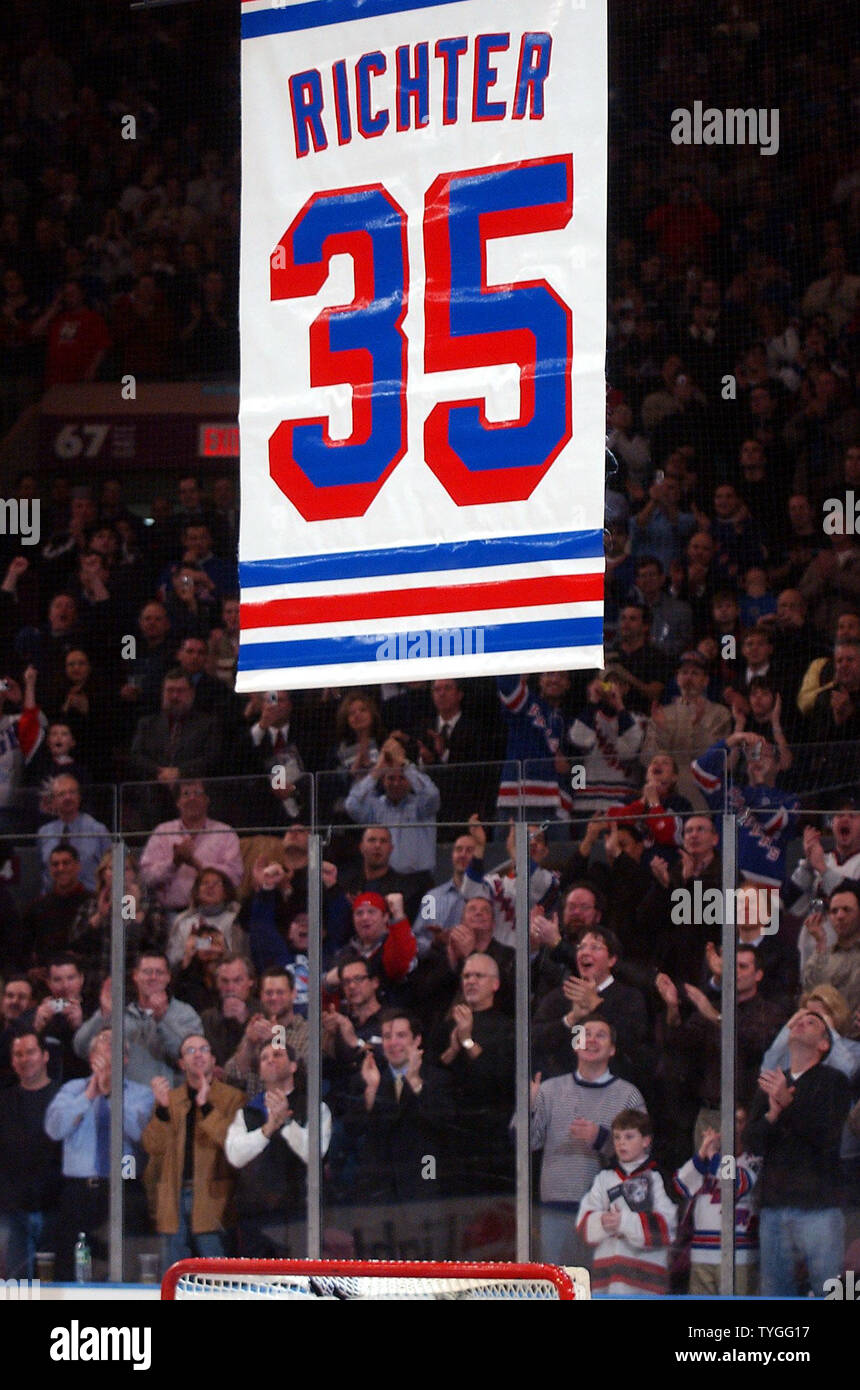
(468, 1043)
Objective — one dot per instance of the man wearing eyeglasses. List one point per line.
(347, 1034)
(595, 989)
(188, 1170)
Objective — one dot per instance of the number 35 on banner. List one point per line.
(468, 323)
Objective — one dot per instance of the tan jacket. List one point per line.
(838, 966)
(811, 686)
(211, 1207)
(677, 735)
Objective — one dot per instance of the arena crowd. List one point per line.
(731, 683)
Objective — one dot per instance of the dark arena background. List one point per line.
(719, 749)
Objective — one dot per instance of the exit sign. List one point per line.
(218, 441)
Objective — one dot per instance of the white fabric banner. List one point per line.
(423, 326)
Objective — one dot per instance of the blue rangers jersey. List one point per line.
(535, 735)
(766, 817)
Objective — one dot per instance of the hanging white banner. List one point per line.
(423, 325)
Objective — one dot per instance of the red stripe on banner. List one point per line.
(549, 790)
(403, 603)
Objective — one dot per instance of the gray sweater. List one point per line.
(569, 1165)
(153, 1048)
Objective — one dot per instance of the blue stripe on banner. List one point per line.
(332, 651)
(317, 13)
(416, 559)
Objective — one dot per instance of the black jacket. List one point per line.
(465, 790)
(197, 750)
(624, 1007)
(30, 1162)
(484, 1101)
(801, 1148)
(400, 1135)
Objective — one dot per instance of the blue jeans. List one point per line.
(790, 1234)
(20, 1234)
(559, 1242)
(208, 1245)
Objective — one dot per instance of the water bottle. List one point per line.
(83, 1260)
(300, 978)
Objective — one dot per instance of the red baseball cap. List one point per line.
(375, 900)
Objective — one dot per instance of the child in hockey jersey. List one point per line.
(55, 757)
(605, 738)
(628, 1216)
(699, 1179)
(766, 815)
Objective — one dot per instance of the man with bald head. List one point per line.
(72, 826)
(475, 1043)
(80, 1116)
(474, 932)
(435, 983)
(373, 873)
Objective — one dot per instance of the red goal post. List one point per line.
(368, 1279)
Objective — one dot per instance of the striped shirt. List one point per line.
(570, 1165)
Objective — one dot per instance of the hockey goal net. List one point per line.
(368, 1279)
